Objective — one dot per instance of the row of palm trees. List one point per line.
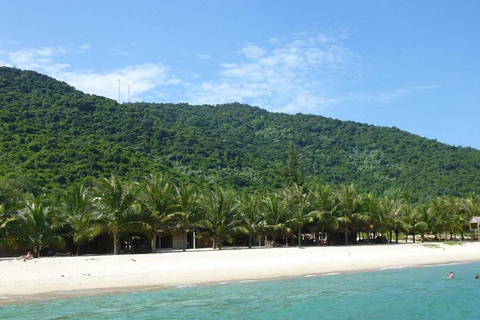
(158, 204)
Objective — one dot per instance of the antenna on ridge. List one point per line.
(118, 90)
(128, 93)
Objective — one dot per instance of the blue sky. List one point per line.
(414, 65)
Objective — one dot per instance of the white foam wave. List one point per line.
(186, 286)
(247, 281)
(393, 268)
(331, 274)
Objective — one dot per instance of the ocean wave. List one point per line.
(393, 268)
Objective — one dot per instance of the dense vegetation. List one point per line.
(223, 170)
(293, 215)
(52, 135)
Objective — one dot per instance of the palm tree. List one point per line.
(441, 220)
(187, 210)
(422, 220)
(350, 204)
(471, 207)
(10, 199)
(408, 220)
(406, 197)
(275, 215)
(77, 209)
(5, 218)
(221, 219)
(156, 203)
(253, 219)
(324, 205)
(392, 213)
(458, 219)
(297, 201)
(368, 217)
(115, 206)
(36, 223)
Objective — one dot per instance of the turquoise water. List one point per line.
(410, 293)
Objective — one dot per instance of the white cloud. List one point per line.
(84, 47)
(141, 78)
(290, 76)
(37, 59)
(387, 96)
(307, 103)
(253, 52)
(306, 73)
(204, 56)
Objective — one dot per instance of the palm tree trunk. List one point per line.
(116, 244)
(153, 243)
(273, 240)
(78, 248)
(184, 240)
(299, 237)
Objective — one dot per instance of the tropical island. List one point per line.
(83, 174)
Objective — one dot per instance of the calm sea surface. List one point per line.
(409, 293)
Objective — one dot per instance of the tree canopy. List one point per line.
(52, 136)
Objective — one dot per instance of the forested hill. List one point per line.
(52, 135)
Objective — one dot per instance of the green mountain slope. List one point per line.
(52, 135)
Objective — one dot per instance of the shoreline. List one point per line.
(69, 277)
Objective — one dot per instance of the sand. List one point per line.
(48, 277)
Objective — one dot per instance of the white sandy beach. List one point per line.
(63, 276)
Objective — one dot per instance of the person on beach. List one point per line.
(450, 275)
(26, 257)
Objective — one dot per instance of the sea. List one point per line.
(393, 293)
